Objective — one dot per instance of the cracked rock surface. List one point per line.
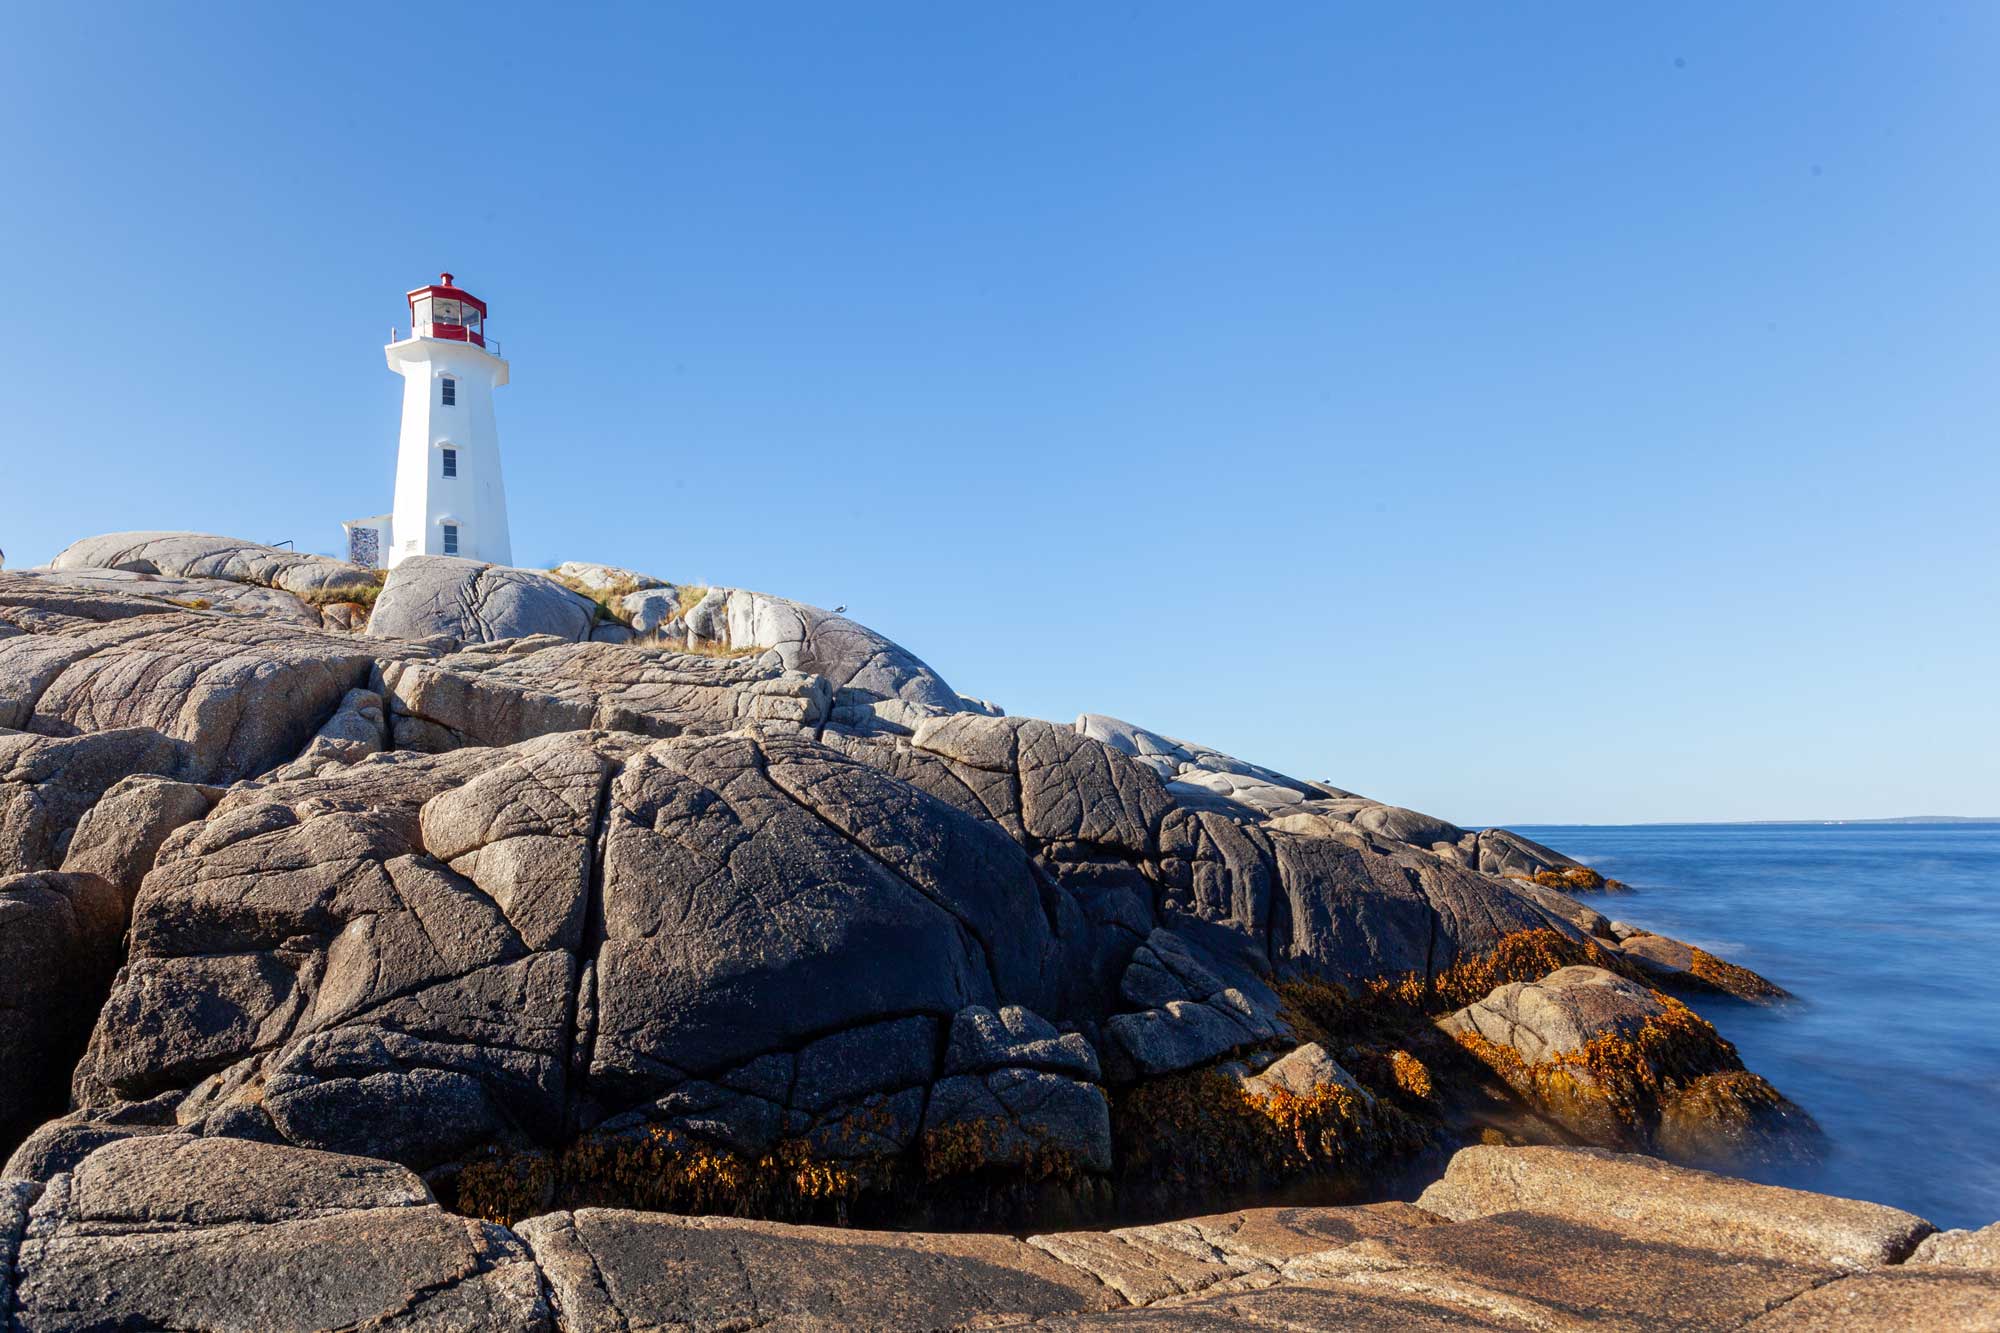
(195, 555)
(471, 602)
(495, 915)
(175, 1232)
(170, 1232)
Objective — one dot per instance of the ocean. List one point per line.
(1889, 935)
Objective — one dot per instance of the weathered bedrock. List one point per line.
(555, 900)
(182, 1232)
(750, 911)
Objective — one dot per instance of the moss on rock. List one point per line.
(1204, 1135)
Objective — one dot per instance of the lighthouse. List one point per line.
(450, 498)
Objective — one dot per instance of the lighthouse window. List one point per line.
(449, 388)
(451, 539)
(450, 459)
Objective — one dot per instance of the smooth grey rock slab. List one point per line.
(1674, 1204)
(428, 595)
(1910, 1297)
(1540, 1271)
(189, 594)
(171, 1232)
(1160, 1264)
(611, 1270)
(197, 555)
(179, 1180)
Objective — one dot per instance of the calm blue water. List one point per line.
(1889, 934)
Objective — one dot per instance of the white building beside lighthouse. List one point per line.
(450, 498)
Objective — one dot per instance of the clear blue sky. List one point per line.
(1567, 413)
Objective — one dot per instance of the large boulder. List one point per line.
(305, 967)
(199, 556)
(1560, 1014)
(878, 684)
(175, 1232)
(760, 891)
(1625, 1066)
(1501, 852)
(1673, 1204)
(431, 595)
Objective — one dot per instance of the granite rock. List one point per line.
(196, 555)
(1961, 1249)
(502, 694)
(429, 595)
(172, 1232)
(48, 785)
(59, 938)
(1674, 1204)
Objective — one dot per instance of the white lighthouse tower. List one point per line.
(450, 499)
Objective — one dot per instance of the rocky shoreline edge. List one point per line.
(509, 920)
(178, 1232)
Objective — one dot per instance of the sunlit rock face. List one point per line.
(748, 910)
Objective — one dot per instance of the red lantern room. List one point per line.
(445, 311)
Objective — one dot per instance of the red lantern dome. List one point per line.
(443, 310)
